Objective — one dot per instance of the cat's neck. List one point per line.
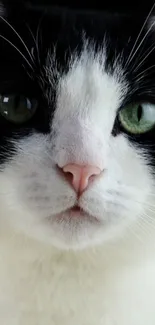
(126, 250)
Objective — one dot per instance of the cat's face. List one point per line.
(81, 91)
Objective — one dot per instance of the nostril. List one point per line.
(68, 176)
(92, 178)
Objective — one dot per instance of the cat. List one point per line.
(77, 166)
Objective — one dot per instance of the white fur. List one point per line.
(56, 270)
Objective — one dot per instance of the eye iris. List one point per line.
(16, 108)
(138, 118)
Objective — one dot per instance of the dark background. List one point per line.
(118, 5)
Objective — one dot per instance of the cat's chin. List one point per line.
(73, 229)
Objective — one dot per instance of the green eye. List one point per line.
(17, 109)
(138, 118)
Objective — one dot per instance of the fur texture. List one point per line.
(96, 266)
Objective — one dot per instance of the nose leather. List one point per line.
(81, 176)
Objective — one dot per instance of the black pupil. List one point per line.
(139, 112)
(17, 100)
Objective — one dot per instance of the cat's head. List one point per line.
(77, 124)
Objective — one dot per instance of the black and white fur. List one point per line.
(82, 68)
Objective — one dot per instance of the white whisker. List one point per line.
(143, 39)
(17, 51)
(136, 234)
(36, 42)
(144, 226)
(132, 55)
(37, 37)
(144, 71)
(31, 34)
(149, 209)
(150, 218)
(30, 76)
(145, 204)
(20, 38)
(141, 62)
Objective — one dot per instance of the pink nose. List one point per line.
(81, 176)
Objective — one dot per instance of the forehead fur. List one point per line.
(87, 85)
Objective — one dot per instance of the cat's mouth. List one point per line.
(75, 209)
(76, 212)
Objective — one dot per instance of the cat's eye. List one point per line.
(138, 118)
(16, 108)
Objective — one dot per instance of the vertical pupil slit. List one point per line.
(139, 113)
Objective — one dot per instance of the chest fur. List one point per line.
(74, 288)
